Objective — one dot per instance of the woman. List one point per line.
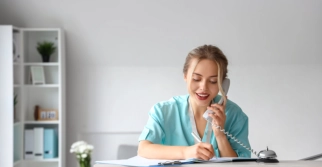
(167, 134)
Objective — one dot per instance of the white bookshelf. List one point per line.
(40, 122)
(43, 160)
(15, 80)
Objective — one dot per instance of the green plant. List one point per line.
(46, 49)
(15, 100)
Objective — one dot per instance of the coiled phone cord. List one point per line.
(234, 138)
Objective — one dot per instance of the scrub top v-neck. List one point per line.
(169, 124)
(207, 132)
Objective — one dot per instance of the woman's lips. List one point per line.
(202, 96)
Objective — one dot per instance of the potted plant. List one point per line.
(83, 151)
(46, 49)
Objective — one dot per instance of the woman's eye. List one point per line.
(213, 82)
(196, 79)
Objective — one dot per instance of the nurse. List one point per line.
(167, 134)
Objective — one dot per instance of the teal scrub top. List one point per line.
(169, 124)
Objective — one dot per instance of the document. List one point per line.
(140, 161)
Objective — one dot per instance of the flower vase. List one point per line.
(84, 164)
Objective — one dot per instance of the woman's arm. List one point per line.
(219, 118)
(225, 149)
(240, 132)
(149, 150)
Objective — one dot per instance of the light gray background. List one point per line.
(124, 56)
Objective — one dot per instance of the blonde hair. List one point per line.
(213, 53)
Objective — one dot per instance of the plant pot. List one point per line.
(45, 58)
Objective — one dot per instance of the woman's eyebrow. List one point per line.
(201, 75)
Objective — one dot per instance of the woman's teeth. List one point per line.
(202, 95)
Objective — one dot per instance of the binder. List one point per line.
(29, 143)
(38, 143)
(16, 144)
(50, 144)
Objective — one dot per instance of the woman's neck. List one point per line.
(198, 111)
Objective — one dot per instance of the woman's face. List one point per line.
(202, 82)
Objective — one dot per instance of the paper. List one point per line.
(140, 161)
(213, 160)
(135, 161)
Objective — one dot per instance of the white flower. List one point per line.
(90, 147)
(76, 144)
(81, 147)
(84, 155)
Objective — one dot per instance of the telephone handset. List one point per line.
(225, 86)
(264, 155)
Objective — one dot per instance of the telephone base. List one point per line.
(267, 160)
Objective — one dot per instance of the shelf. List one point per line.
(15, 29)
(40, 29)
(42, 160)
(41, 122)
(42, 86)
(20, 55)
(41, 64)
(17, 123)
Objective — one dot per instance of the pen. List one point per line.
(196, 137)
(169, 163)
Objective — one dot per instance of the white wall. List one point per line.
(124, 56)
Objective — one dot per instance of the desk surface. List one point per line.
(246, 164)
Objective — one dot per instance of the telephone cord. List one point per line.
(234, 138)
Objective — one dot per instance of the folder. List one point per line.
(50, 144)
(29, 143)
(38, 143)
(140, 161)
(16, 144)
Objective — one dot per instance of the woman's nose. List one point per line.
(203, 86)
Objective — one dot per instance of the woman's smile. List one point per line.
(202, 96)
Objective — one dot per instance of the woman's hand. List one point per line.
(203, 151)
(218, 118)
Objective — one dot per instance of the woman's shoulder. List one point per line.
(175, 103)
(235, 111)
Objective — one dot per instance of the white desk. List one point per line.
(246, 164)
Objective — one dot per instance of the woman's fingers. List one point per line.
(205, 151)
(219, 107)
(216, 111)
(218, 115)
